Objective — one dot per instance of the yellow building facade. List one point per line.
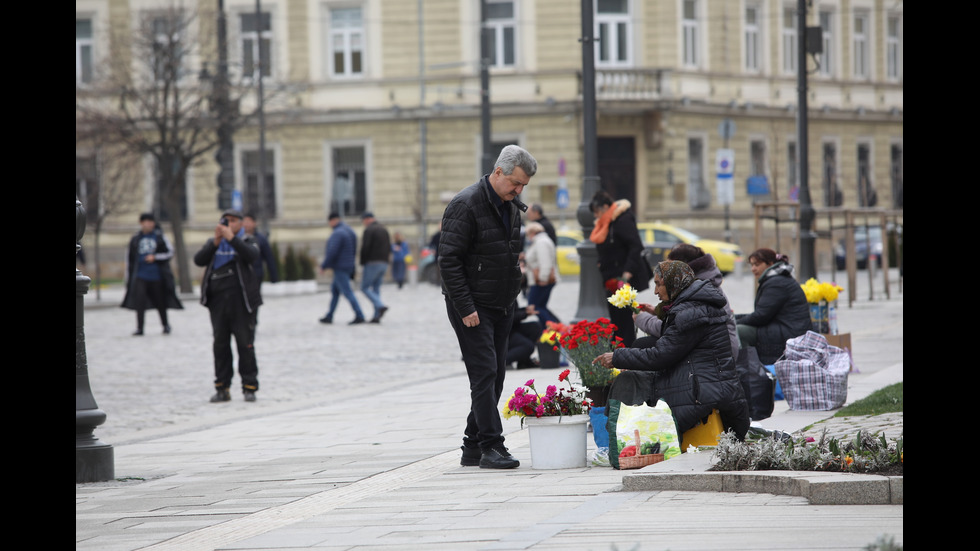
(376, 105)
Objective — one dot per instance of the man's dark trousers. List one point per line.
(484, 349)
(230, 318)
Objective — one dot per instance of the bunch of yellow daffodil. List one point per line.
(816, 291)
(625, 297)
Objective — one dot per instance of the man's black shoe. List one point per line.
(471, 457)
(498, 457)
(356, 321)
(376, 319)
(326, 319)
(381, 312)
(222, 395)
(249, 395)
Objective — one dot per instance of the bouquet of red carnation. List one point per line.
(583, 342)
(614, 284)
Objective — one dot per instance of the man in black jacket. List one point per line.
(481, 278)
(375, 254)
(231, 293)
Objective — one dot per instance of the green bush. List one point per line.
(307, 268)
(291, 268)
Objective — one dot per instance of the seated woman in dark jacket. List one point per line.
(781, 311)
(695, 370)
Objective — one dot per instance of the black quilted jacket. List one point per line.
(693, 361)
(478, 259)
(781, 312)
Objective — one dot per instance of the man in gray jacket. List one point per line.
(478, 260)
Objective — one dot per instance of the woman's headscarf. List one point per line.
(676, 276)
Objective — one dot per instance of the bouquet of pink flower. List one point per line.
(527, 402)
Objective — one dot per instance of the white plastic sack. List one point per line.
(813, 374)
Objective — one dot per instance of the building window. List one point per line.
(790, 41)
(753, 39)
(613, 28)
(897, 172)
(698, 195)
(861, 42)
(346, 39)
(167, 50)
(832, 194)
(501, 28)
(691, 28)
(83, 51)
(349, 181)
(251, 169)
(792, 172)
(893, 46)
(256, 44)
(867, 196)
(827, 58)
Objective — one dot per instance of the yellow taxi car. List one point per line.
(565, 249)
(658, 238)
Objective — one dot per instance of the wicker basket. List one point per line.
(637, 461)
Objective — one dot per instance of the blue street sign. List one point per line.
(562, 198)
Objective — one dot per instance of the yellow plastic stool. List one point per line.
(703, 434)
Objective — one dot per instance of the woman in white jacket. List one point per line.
(542, 270)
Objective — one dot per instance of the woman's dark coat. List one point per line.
(695, 370)
(781, 312)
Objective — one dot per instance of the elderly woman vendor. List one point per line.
(693, 356)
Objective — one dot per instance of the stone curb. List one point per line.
(819, 488)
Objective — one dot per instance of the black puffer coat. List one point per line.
(781, 312)
(693, 361)
(478, 259)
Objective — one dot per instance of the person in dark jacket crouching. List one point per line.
(478, 260)
(231, 293)
(695, 369)
(781, 311)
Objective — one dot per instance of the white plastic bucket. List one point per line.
(558, 442)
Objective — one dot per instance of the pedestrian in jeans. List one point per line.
(375, 252)
(340, 256)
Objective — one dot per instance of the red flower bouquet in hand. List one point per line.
(583, 342)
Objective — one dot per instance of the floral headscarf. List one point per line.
(676, 276)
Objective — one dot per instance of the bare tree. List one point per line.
(150, 101)
(106, 189)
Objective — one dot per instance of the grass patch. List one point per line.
(886, 400)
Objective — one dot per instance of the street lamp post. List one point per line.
(93, 459)
(807, 263)
(591, 302)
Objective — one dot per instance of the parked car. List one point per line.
(867, 239)
(659, 238)
(569, 262)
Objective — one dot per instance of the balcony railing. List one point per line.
(630, 84)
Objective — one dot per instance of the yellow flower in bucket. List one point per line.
(625, 297)
(816, 291)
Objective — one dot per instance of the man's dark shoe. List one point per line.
(222, 395)
(326, 319)
(356, 321)
(529, 363)
(381, 312)
(471, 457)
(498, 457)
(249, 395)
(138, 333)
(375, 320)
(166, 329)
